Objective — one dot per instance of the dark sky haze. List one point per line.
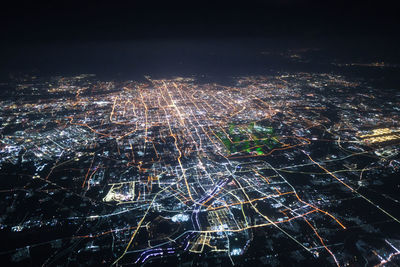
(184, 37)
(33, 21)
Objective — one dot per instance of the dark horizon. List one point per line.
(26, 22)
(64, 36)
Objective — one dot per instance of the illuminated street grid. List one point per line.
(141, 171)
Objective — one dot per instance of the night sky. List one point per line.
(77, 33)
(129, 20)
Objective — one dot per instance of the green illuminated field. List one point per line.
(250, 138)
